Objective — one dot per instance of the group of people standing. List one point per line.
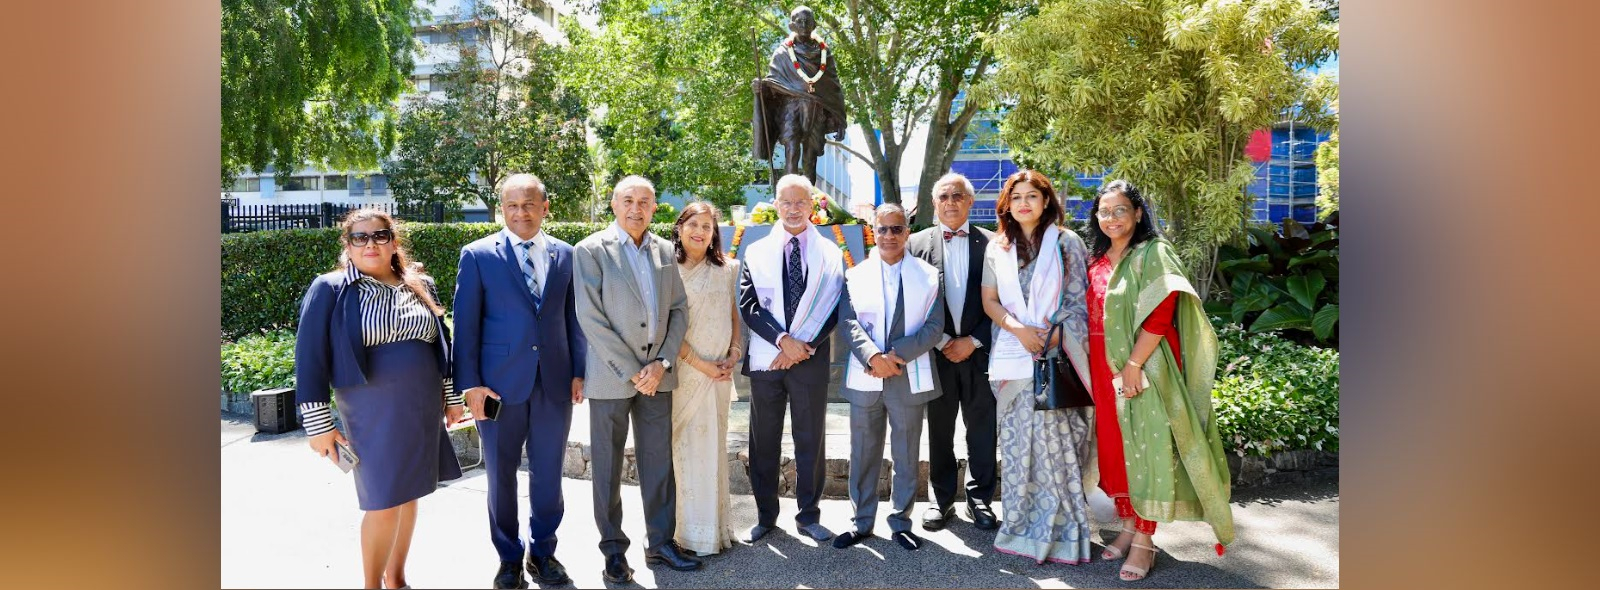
(942, 324)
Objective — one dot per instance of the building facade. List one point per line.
(438, 25)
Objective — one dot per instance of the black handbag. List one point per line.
(1056, 385)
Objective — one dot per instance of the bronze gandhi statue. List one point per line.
(800, 101)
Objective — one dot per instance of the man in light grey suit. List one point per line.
(894, 315)
(632, 309)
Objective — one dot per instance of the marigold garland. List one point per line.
(738, 237)
(838, 236)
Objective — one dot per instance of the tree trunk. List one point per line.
(944, 137)
(888, 170)
(935, 160)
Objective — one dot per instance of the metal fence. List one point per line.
(247, 218)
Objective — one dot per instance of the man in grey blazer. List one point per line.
(632, 309)
(894, 315)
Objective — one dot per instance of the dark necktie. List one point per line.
(532, 277)
(794, 282)
(950, 234)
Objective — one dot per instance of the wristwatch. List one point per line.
(665, 364)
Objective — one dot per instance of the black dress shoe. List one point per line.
(982, 517)
(548, 571)
(510, 576)
(617, 570)
(935, 518)
(756, 533)
(671, 555)
(908, 541)
(849, 538)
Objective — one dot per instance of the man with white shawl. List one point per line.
(790, 285)
(894, 315)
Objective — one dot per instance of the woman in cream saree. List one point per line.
(705, 387)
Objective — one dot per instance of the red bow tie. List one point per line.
(950, 234)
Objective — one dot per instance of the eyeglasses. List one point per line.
(1121, 212)
(951, 196)
(893, 230)
(380, 237)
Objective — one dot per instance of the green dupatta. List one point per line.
(1176, 466)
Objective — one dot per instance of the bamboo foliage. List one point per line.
(1164, 93)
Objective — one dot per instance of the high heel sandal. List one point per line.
(1111, 552)
(1141, 572)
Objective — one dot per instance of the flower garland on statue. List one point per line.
(820, 217)
(738, 237)
(838, 236)
(824, 216)
(788, 44)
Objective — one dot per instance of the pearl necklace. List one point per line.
(822, 65)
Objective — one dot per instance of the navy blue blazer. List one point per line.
(500, 342)
(328, 349)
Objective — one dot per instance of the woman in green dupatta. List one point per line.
(1160, 455)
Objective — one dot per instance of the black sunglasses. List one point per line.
(892, 230)
(380, 237)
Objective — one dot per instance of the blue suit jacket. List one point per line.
(328, 349)
(500, 342)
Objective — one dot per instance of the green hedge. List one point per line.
(265, 274)
(1275, 395)
(258, 361)
(1271, 395)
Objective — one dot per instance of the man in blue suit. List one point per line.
(517, 340)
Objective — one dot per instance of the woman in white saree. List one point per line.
(711, 352)
(1034, 277)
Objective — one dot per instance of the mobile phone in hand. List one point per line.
(491, 409)
(344, 457)
(1144, 381)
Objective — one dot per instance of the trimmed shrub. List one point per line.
(266, 273)
(1274, 395)
(258, 361)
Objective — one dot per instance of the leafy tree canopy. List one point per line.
(504, 110)
(1164, 93)
(311, 82)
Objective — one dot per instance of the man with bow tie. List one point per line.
(961, 359)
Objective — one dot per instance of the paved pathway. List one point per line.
(290, 521)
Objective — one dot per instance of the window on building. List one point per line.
(379, 184)
(299, 183)
(439, 82)
(540, 10)
(244, 185)
(358, 184)
(336, 183)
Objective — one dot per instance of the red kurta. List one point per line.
(1108, 432)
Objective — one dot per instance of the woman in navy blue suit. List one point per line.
(374, 332)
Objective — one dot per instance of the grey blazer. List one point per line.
(896, 389)
(611, 313)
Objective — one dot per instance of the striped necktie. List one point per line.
(532, 277)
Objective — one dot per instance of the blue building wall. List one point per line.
(1285, 186)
